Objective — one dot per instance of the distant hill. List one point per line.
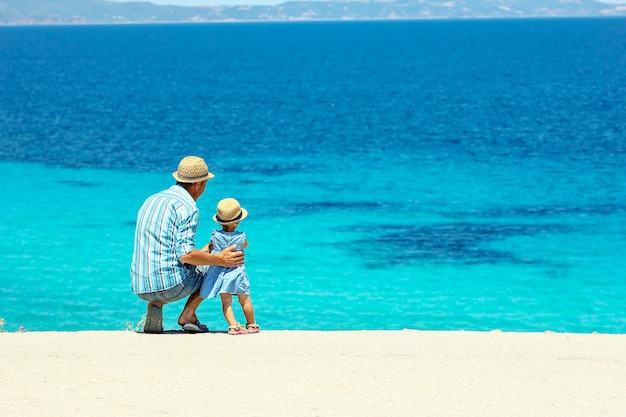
(37, 12)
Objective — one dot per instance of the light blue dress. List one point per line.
(220, 280)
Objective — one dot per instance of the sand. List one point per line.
(311, 373)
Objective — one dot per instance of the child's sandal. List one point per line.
(235, 330)
(253, 328)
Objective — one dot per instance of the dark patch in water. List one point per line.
(320, 206)
(326, 205)
(78, 183)
(445, 243)
(540, 211)
(262, 170)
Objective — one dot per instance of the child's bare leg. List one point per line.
(246, 305)
(227, 309)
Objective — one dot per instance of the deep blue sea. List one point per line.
(441, 175)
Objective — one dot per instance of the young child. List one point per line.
(229, 281)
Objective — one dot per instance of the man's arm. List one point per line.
(226, 258)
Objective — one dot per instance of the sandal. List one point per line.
(235, 330)
(253, 328)
(154, 320)
(196, 327)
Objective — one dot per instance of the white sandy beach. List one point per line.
(313, 373)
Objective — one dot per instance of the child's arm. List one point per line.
(245, 240)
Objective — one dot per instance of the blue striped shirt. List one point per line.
(166, 228)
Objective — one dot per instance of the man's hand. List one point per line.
(229, 258)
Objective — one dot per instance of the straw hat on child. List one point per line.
(192, 169)
(229, 211)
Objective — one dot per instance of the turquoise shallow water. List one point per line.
(425, 175)
(67, 240)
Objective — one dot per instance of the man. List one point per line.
(164, 261)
